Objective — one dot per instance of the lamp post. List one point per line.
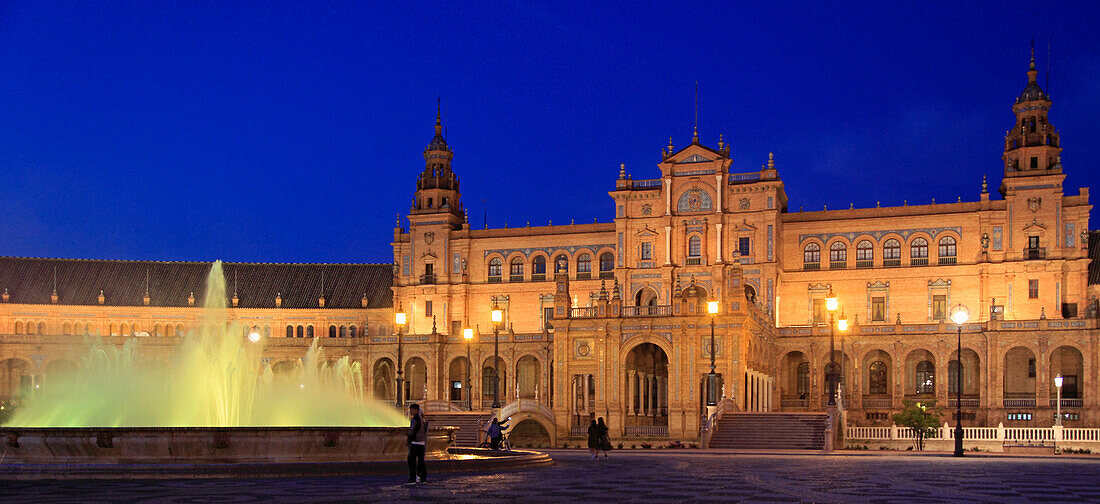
(468, 335)
(1058, 405)
(959, 315)
(712, 378)
(830, 306)
(842, 326)
(399, 320)
(497, 318)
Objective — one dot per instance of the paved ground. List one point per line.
(682, 476)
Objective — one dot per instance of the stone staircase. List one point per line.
(770, 431)
(467, 423)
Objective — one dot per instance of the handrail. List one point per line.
(712, 420)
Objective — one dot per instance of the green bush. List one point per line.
(922, 417)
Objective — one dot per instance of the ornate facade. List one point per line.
(609, 319)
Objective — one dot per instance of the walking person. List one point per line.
(594, 440)
(605, 438)
(496, 433)
(418, 438)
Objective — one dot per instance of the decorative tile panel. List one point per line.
(878, 235)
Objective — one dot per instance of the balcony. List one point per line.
(647, 311)
(1035, 253)
(877, 402)
(1067, 403)
(607, 274)
(918, 261)
(586, 312)
(645, 431)
(1019, 402)
(538, 277)
(945, 261)
(967, 402)
(584, 275)
(838, 265)
(494, 279)
(865, 264)
(693, 261)
(891, 263)
(427, 278)
(811, 266)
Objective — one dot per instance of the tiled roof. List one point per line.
(31, 281)
(1094, 257)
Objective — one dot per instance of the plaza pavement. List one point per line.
(643, 477)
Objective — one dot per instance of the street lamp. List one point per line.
(842, 326)
(712, 378)
(497, 318)
(399, 320)
(959, 314)
(468, 335)
(830, 306)
(1058, 405)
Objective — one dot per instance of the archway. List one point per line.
(647, 386)
(416, 379)
(383, 376)
(458, 381)
(1067, 362)
(877, 379)
(920, 373)
(794, 382)
(645, 297)
(1019, 377)
(289, 369)
(842, 367)
(971, 375)
(529, 433)
(489, 378)
(527, 377)
(15, 378)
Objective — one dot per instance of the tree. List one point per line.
(922, 417)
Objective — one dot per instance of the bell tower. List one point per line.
(1032, 146)
(437, 186)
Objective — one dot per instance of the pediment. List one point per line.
(745, 226)
(427, 255)
(1035, 224)
(694, 158)
(646, 232)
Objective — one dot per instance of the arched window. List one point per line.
(515, 270)
(301, 332)
(584, 266)
(18, 328)
(67, 329)
(607, 265)
(179, 330)
(947, 250)
(494, 269)
(926, 378)
(290, 331)
(918, 252)
(561, 264)
(838, 255)
(125, 329)
(332, 331)
(538, 268)
(803, 387)
(695, 246)
(877, 378)
(865, 254)
(353, 331)
(811, 256)
(309, 331)
(891, 253)
(343, 331)
(953, 377)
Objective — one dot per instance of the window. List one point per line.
(947, 247)
(332, 331)
(918, 252)
(695, 246)
(743, 246)
(607, 265)
(878, 309)
(429, 269)
(811, 256)
(515, 270)
(1019, 416)
(939, 307)
(538, 268)
(309, 331)
(301, 332)
(891, 253)
(427, 308)
(1033, 289)
(819, 311)
(877, 378)
(926, 378)
(1031, 368)
(494, 269)
(1069, 310)
(1034, 160)
(353, 332)
(803, 388)
(865, 254)
(456, 390)
(953, 377)
(1032, 242)
(547, 316)
(647, 251)
(838, 255)
(584, 267)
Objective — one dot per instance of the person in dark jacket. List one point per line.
(496, 433)
(418, 438)
(594, 439)
(605, 438)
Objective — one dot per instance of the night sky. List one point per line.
(281, 132)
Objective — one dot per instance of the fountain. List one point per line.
(218, 404)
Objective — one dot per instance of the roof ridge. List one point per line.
(79, 259)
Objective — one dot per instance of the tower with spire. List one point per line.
(437, 186)
(1032, 146)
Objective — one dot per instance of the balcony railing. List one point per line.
(1019, 402)
(607, 274)
(647, 184)
(1067, 403)
(967, 402)
(693, 261)
(838, 265)
(944, 261)
(878, 402)
(811, 266)
(578, 430)
(646, 431)
(1031, 254)
(584, 275)
(865, 264)
(647, 311)
(494, 279)
(794, 402)
(918, 261)
(538, 277)
(585, 312)
(427, 278)
(515, 278)
(891, 263)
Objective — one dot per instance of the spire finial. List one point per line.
(669, 146)
(771, 161)
(985, 186)
(721, 144)
(622, 171)
(438, 111)
(1031, 66)
(695, 130)
(55, 280)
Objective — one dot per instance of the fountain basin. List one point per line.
(211, 445)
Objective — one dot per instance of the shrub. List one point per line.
(646, 446)
(620, 446)
(693, 445)
(922, 417)
(632, 446)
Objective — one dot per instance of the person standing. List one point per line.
(496, 433)
(605, 438)
(418, 439)
(594, 440)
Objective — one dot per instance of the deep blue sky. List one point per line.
(280, 132)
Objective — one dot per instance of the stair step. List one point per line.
(770, 431)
